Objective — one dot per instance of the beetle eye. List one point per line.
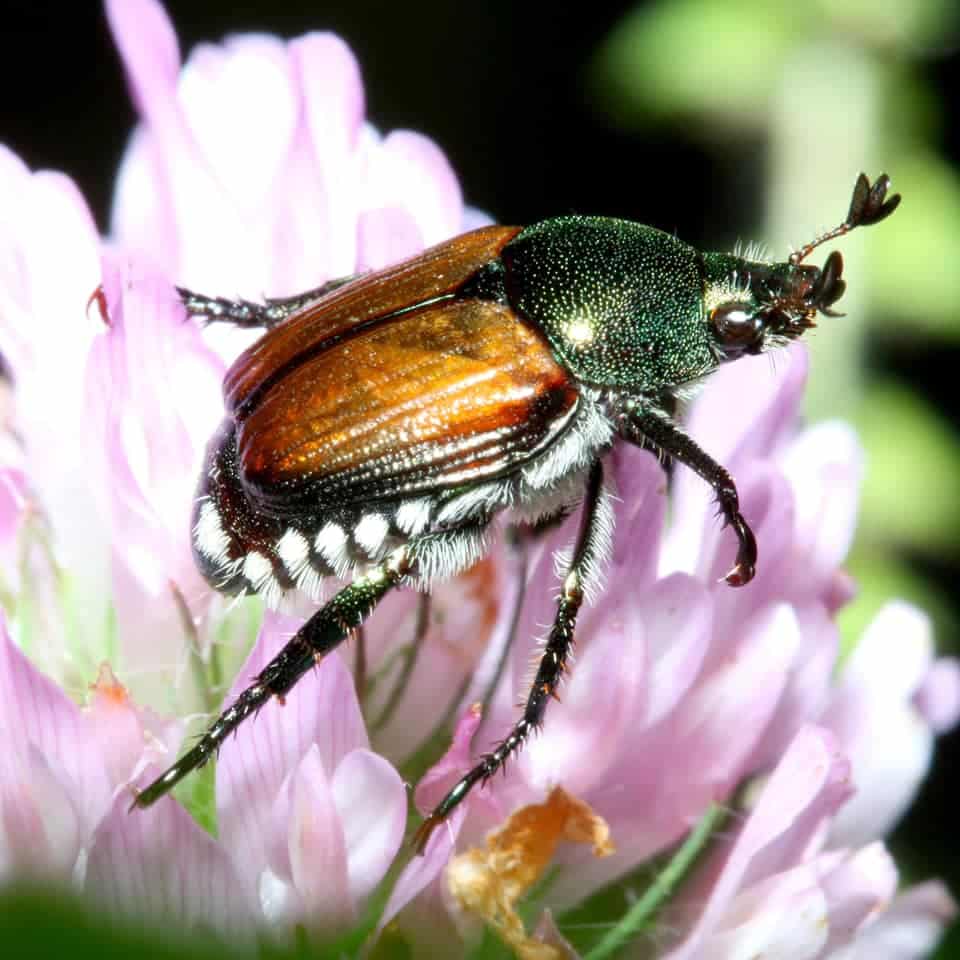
(737, 327)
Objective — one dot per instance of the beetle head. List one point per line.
(752, 306)
(766, 304)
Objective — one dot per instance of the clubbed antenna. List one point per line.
(868, 205)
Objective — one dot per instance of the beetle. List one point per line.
(382, 421)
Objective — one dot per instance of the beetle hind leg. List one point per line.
(247, 313)
(592, 544)
(321, 634)
(434, 554)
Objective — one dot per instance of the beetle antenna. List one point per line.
(868, 205)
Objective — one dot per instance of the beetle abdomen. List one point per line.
(241, 547)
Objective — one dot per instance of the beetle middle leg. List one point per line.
(589, 549)
(643, 425)
(247, 313)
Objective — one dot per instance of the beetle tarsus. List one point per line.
(422, 834)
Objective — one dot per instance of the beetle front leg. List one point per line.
(647, 425)
(588, 553)
(246, 313)
(322, 633)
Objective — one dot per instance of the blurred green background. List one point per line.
(723, 120)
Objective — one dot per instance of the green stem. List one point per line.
(642, 914)
(410, 656)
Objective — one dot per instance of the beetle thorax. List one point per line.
(620, 303)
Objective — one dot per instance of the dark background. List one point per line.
(500, 86)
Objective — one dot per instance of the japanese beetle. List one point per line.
(382, 421)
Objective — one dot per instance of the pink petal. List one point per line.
(244, 86)
(153, 399)
(34, 711)
(321, 713)
(142, 216)
(371, 801)
(640, 508)
(654, 796)
(938, 696)
(12, 171)
(48, 231)
(911, 927)
(42, 827)
(333, 114)
(333, 94)
(586, 731)
(13, 501)
(157, 868)
(809, 683)
(129, 737)
(452, 765)
(677, 615)
(774, 384)
(825, 467)
(731, 699)
(148, 46)
(384, 236)
(318, 848)
(807, 787)
(872, 714)
(859, 889)
(473, 218)
(894, 654)
(783, 918)
(419, 177)
(421, 871)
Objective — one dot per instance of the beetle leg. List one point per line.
(649, 426)
(324, 631)
(245, 313)
(589, 547)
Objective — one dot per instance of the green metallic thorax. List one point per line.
(622, 304)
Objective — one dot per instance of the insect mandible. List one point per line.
(382, 421)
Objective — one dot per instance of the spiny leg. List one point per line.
(588, 550)
(323, 632)
(246, 313)
(645, 425)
